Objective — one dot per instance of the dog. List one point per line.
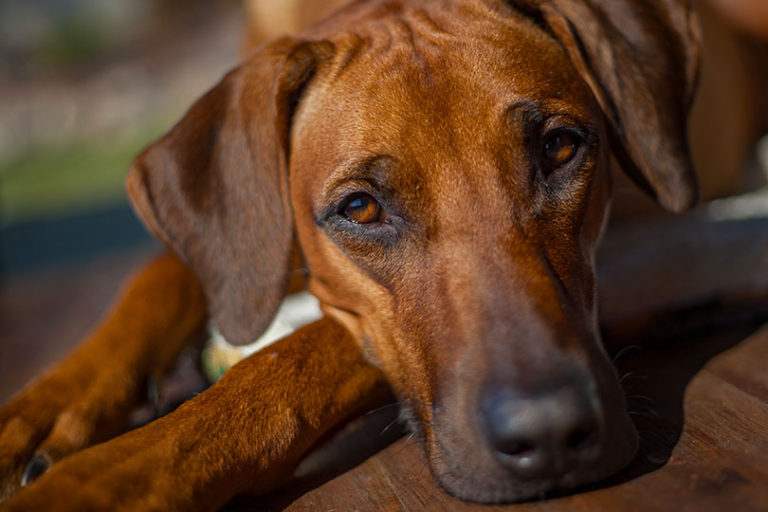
(442, 169)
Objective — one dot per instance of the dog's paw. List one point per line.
(73, 406)
(115, 475)
(177, 462)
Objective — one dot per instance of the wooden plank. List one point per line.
(746, 366)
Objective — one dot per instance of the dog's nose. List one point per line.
(545, 436)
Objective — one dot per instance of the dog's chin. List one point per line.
(476, 476)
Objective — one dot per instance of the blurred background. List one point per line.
(84, 86)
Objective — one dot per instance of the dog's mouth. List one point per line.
(468, 467)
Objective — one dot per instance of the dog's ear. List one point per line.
(215, 188)
(641, 60)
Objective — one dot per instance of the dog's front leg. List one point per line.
(87, 397)
(244, 434)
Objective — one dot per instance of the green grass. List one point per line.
(70, 177)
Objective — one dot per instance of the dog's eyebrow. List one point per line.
(375, 169)
(525, 110)
(531, 113)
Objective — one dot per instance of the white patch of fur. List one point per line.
(296, 311)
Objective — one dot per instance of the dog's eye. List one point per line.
(560, 147)
(363, 209)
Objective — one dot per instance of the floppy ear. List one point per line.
(215, 188)
(641, 60)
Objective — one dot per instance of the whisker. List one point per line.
(425, 464)
(373, 411)
(408, 441)
(642, 397)
(394, 421)
(625, 376)
(631, 375)
(624, 351)
(648, 412)
(653, 412)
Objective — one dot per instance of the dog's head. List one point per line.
(443, 168)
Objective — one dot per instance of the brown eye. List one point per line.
(363, 209)
(561, 147)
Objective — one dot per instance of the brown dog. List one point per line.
(443, 169)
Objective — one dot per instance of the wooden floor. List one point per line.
(701, 406)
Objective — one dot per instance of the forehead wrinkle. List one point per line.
(391, 51)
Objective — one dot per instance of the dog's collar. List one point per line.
(219, 355)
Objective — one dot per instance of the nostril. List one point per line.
(581, 438)
(516, 448)
(527, 458)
